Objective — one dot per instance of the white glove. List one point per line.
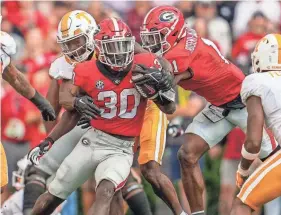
(8, 47)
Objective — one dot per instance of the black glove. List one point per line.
(85, 106)
(163, 80)
(47, 111)
(36, 153)
(84, 122)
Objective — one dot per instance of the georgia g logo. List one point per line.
(167, 16)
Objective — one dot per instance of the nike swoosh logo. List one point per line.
(81, 101)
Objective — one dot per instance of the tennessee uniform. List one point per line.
(4, 167)
(153, 134)
(264, 184)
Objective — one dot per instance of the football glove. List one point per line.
(241, 176)
(47, 111)
(152, 76)
(84, 122)
(85, 106)
(36, 153)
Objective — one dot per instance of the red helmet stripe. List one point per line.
(149, 12)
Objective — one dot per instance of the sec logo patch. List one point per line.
(167, 16)
(99, 85)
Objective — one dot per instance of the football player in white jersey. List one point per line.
(261, 93)
(75, 36)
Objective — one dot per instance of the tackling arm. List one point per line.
(19, 82)
(255, 125)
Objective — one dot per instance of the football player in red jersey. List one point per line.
(81, 27)
(198, 66)
(106, 148)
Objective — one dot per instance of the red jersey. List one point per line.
(123, 106)
(214, 77)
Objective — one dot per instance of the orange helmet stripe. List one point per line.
(278, 38)
(64, 24)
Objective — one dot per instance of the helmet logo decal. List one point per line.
(83, 15)
(167, 16)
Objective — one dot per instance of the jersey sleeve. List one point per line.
(251, 86)
(60, 69)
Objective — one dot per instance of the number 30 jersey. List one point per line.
(123, 107)
(214, 77)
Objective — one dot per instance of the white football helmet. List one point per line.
(18, 176)
(267, 54)
(75, 34)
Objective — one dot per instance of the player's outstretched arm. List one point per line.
(19, 82)
(252, 145)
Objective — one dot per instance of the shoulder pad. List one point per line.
(61, 69)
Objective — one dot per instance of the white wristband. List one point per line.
(243, 172)
(248, 155)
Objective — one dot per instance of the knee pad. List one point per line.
(35, 185)
(130, 186)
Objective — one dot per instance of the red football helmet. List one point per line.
(114, 43)
(162, 27)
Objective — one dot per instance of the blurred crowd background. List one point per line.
(233, 26)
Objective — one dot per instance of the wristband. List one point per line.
(243, 172)
(247, 155)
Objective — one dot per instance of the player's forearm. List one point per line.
(67, 95)
(66, 124)
(18, 81)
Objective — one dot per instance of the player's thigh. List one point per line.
(75, 169)
(153, 136)
(115, 168)
(264, 184)
(51, 161)
(211, 132)
(239, 118)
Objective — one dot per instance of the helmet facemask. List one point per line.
(77, 48)
(155, 41)
(116, 52)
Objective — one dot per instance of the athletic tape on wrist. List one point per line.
(247, 155)
(243, 172)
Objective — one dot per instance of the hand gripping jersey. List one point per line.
(123, 107)
(214, 77)
(267, 86)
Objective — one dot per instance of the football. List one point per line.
(147, 91)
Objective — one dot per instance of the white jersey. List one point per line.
(267, 86)
(61, 68)
(14, 205)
